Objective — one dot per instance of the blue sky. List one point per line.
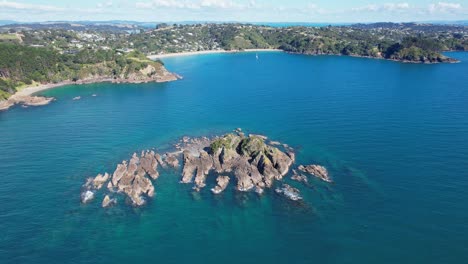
(235, 10)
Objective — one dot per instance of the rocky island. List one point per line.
(245, 162)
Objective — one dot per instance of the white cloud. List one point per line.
(396, 7)
(444, 7)
(105, 5)
(222, 4)
(200, 4)
(387, 7)
(232, 10)
(31, 7)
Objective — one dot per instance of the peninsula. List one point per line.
(27, 70)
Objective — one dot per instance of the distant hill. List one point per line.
(77, 26)
(7, 22)
(425, 27)
(135, 26)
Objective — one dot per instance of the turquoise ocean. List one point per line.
(394, 137)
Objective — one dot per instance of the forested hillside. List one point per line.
(21, 65)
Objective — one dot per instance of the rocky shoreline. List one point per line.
(246, 162)
(445, 60)
(26, 98)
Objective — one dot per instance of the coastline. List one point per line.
(204, 52)
(449, 59)
(27, 97)
(31, 90)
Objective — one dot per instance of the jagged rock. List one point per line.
(100, 180)
(280, 161)
(107, 201)
(266, 168)
(110, 187)
(133, 165)
(222, 181)
(87, 196)
(160, 161)
(289, 192)
(131, 179)
(228, 158)
(149, 164)
(242, 173)
(299, 178)
(136, 189)
(254, 164)
(172, 160)
(217, 161)
(204, 167)
(119, 172)
(190, 166)
(316, 170)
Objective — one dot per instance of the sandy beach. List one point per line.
(28, 91)
(192, 53)
(38, 88)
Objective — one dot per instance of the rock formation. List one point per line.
(250, 161)
(289, 192)
(299, 177)
(107, 201)
(316, 170)
(25, 100)
(254, 164)
(222, 182)
(129, 178)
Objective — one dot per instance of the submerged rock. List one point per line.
(107, 201)
(316, 170)
(289, 192)
(87, 196)
(299, 178)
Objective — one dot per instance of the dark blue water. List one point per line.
(394, 137)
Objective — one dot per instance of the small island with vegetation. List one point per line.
(253, 162)
(50, 55)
